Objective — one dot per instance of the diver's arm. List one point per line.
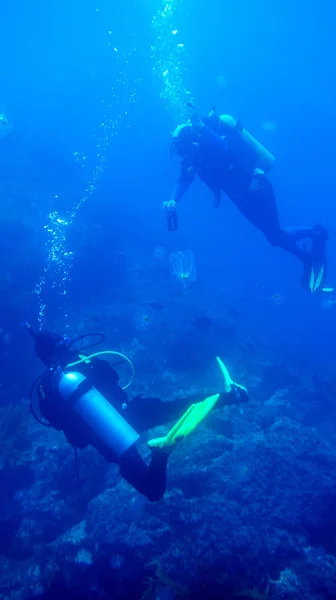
(187, 175)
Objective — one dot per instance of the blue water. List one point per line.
(91, 93)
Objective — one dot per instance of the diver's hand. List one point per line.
(171, 214)
(169, 205)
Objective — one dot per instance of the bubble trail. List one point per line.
(169, 60)
(59, 257)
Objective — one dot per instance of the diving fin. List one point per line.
(313, 277)
(195, 414)
(314, 271)
(316, 278)
(229, 384)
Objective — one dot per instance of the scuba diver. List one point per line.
(81, 396)
(228, 159)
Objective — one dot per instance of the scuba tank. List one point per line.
(264, 159)
(77, 391)
(93, 408)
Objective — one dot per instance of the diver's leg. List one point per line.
(259, 206)
(319, 239)
(299, 233)
(146, 413)
(149, 480)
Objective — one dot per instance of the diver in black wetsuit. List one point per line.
(228, 159)
(82, 397)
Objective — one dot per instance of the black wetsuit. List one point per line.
(226, 164)
(141, 413)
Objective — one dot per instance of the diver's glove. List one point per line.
(171, 215)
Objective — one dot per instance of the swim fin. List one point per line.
(229, 384)
(313, 277)
(316, 278)
(193, 416)
(314, 271)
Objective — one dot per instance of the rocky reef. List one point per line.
(249, 511)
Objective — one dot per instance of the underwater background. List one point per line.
(90, 93)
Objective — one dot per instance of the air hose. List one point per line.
(114, 353)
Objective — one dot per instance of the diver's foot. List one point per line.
(165, 448)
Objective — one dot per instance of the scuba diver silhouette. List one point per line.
(81, 396)
(229, 159)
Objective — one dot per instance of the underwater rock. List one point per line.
(244, 506)
(15, 477)
(8, 529)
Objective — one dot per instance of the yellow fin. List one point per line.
(195, 414)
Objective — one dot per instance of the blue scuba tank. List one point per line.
(93, 408)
